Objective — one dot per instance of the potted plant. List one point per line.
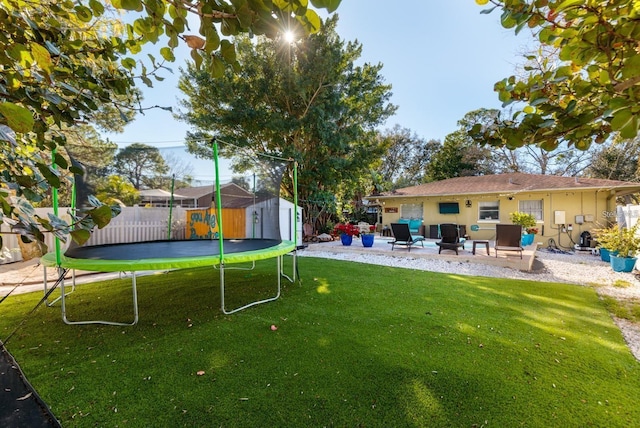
(367, 235)
(528, 223)
(346, 231)
(607, 239)
(627, 248)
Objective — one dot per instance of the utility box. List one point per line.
(579, 219)
(559, 217)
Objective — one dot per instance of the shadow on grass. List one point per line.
(355, 345)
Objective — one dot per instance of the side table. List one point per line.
(485, 243)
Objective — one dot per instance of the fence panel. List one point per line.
(135, 224)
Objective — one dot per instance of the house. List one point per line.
(194, 197)
(564, 207)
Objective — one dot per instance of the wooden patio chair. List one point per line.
(508, 238)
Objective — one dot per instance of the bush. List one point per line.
(523, 219)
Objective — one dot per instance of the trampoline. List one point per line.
(213, 250)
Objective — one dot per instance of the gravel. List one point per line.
(580, 268)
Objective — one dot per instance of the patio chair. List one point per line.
(450, 240)
(508, 238)
(402, 236)
(307, 233)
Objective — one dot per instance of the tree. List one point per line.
(61, 61)
(115, 189)
(617, 161)
(459, 155)
(306, 101)
(140, 164)
(406, 159)
(588, 94)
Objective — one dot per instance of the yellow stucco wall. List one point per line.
(599, 205)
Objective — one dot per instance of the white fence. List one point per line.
(628, 215)
(134, 224)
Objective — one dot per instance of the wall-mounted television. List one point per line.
(449, 208)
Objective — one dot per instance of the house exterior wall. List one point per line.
(597, 204)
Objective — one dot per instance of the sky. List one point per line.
(441, 58)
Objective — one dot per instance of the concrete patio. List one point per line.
(382, 246)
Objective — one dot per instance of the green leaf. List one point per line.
(60, 161)
(167, 54)
(80, 235)
(567, 4)
(83, 13)
(42, 57)
(631, 67)
(130, 5)
(487, 11)
(630, 129)
(217, 67)
(18, 118)
(128, 63)
(50, 175)
(96, 7)
(311, 21)
(197, 58)
(621, 119)
(228, 50)
(330, 5)
(21, 54)
(245, 16)
(101, 216)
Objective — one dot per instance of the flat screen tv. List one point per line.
(449, 207)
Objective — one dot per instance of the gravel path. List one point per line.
(573, 268)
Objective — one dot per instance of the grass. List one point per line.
(628, 309)
(355, 345)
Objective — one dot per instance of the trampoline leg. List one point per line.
(61, 273)
(291, 278)
(135, 306)
(258, 302)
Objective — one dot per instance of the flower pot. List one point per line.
(605, 254)
(622, 264)
(527, 239)
(346, 239)
(367, 240)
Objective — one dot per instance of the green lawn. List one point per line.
(356, 345)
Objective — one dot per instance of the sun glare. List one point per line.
(289, 36)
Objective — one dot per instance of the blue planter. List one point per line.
(622, 264)
(527, 239)
(605, 254)
(367, 240)
(346, 239)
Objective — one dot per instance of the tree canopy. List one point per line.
(62, 60)
(306, 100)
(585, 96)
(140, 164)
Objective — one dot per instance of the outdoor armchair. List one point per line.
(508, 237)
(402, 236)
(450, 238)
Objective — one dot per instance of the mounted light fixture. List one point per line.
(468, 203)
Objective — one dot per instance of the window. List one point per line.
(489, 210)
(411, 211)
(532, 207)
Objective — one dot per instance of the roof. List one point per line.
(200, 191)
(510, 183)
(196, 192)
(160, 194)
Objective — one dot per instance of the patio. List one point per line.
(381, 246)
